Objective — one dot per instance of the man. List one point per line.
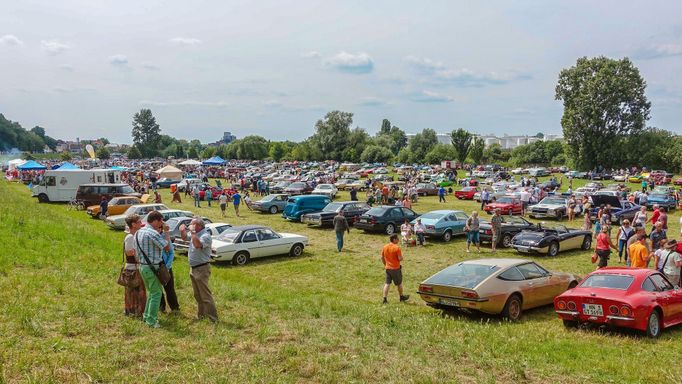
(663, 218)
(199, 255)
(103, 207)
(391, 256)
(197, 196)
(223, 203)
(441, 194)
(353, 194)
(485, 198)
(340, 226)
(657, 235)
(638, 253)
(524, 195)
(655, 216)
(419, 230)
(149, 245)
(236, 200)
(496, 227)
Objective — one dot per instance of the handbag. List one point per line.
(129, 278)
(161, 271)
(594, 257)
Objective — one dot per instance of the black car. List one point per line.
(551, 240)
(550, 185)
(511, 225)
(166, 182)
(385, 218)
(350, 209)
(279, 187)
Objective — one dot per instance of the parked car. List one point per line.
(118, 221)
(297, 206)
(511, 226)
(467, 193)
(426, 189)
(550, 185)
(175, 223)
(187, 183)
(538, 172)
(444, 223)
(169, 214)
(298, 188)
(166, 182)
(620, 209)
(661, 200)
(550, 207)
(620, 178)
(508, 205)
(342, 184)
(243, 243)
(351, 211)
(271, 203)
(280, 187)
(326, 189)
(495, 286)
(91, 194)
(385, 219)
(641, 299)
(519, 171)
(357, 184)
(678, 181)
(550, 240)
(117, 205)
(213, 229)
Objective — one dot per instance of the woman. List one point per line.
(624, 233)
(603, 250)
(571, 208)
(472, 230)
(640, 219)
(597, 223)
(671, 262)
(135, 298)
(406, 232)
(587, 222)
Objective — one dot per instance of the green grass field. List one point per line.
(316, 318)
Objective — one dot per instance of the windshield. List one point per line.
(127, 189)
(297, 185)
(324, 186)
(463, 275)
(432, 216)
(506, 200)
(229, 235)
(130, 210)
(333, 207)
(601, 280)
(552, 200)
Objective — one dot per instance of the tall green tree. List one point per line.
(277, 150)
(461, 141)
(103, 153)
(331, 134)
(146, 133)
(376, 154)
(385, 127)
(476, 150)
(193, 153)
(357, 141)
(440, 152)
(422, 143)
(604, 102)
(134, 152)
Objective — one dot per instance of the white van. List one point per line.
(61, 185)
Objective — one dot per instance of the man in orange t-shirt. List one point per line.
(391, 256)
(638, 253)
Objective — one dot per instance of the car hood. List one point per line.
(598, 200)
(116, 217)
(293, 236)
(499, 205)
(547, 206)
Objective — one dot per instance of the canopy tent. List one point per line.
(215, 160)
(31, 166)
(117, 168)
(66, 165)
(12, 164)
(190, 162)
(170, 172)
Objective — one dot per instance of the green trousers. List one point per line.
(153, 286)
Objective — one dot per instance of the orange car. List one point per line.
(117, 205)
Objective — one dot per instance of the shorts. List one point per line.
(223, 206)
(473, 237)
(394, 276)
(603, 257)
(496, 236)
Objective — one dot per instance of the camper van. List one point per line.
(61, 185)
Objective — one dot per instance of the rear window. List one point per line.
(432, 216)
(332, 207)
(607, 281)
(376, 212)
(463, 275)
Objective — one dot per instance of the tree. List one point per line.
(357, 141)
(208, 152)
(103, 140)
(422, 143)
(440, 152)
(179, 151)
(277, 151)
(134, 153)
(476, 150)
(604, 102)
(103, 153)
(331, 134)
(461, 141)
(251, 148)
(385, 127)
(146, 133)
(193, 153)
(376, 154)
(65, 156)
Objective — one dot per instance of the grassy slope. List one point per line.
(316, 318)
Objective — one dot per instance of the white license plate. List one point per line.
(450, 302)
(593, 310)
(523, 249)
(363, 220)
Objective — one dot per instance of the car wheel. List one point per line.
(240, 258)
(43, 198)
(506, 240)
(390, 229)
(296, 250)
(273, 209)
(447, 236)
(553, 248)
(513, 308)
(570, 324)
(587, 243)
(653, 325)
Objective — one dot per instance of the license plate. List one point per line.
(450, 302)
(593, 310)
(523, 249)
(363, 220)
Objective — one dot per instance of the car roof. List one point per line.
(248, 227)
(503, 263)
(624, 271)
(444, 211)
(148, 205)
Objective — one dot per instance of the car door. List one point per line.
(270, 243)
(667, 297)
(460, 220)
(535, 287)
(408, 214)
(250, 243)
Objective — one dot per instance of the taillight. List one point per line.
(561, 305)
(488, 232)
(614, 310)
(425, 288)
(469, 294)
(571, 305)
(625, 311)
(430, 227)
(373, 220)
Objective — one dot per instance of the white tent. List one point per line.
(15, 163)
(170, 172)
(190, 162)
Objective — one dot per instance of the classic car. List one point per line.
(385, 218)
(357, 184)
(280, 186)
(551, 240)
(168, 214)
(508, 205)
(639, 298)
(213, 229)
(550, 185)
(350, 209)
(511, 225)
(620, 178)
(495, 286)
(678, 181)
(519, 171)
(342, 184)
(187, 183)
(443, 223)
(550, 206)
(662, 200)
(117, 205)
(636, 178)
(325, 189)
(467, 193)
(166, 182)
(119, 221)
(215, 191)
(664, 189)
(271, 203)
(427, 189)
(175, 223)
(243, 243)
(620, 209)
(576, 174)
(298, 188)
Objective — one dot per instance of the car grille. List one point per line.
(539, 210)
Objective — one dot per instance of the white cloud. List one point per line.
(656, 51)
(150, 66)
(372, 102)
(424, 64)
(118, 60)
(185, 103)
(351, 62)
(311, 55)
(273, 103)
(10, 40)
(185, 41)
(53, 47)
(440, 74)
(431, 97)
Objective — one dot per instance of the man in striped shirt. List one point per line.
(149, 246)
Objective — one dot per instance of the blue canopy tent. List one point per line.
(31, 165)
(117, 168)
(66, 165)
(215, 160)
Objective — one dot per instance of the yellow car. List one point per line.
(117, 205)
(495, 286)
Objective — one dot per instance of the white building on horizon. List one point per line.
(505, 141)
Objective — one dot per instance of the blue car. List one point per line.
(663, 200)
(620, 209)
(443, 223)
(297, 206)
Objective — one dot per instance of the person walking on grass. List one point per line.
(441, 194)
(134, 298)
(150, 244)
(472, 230)
(391, 257)
(340, 226)
(603, 248)
(223, 203)
(209, 196)
(624, 233)
(236, 200)
(197, 196)
(638, 253)
(199, 255)
(496, 227)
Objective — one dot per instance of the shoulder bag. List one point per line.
(129, 278)
(664, 263)
(161, 271)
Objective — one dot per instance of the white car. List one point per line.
(213, 229)
(169, 214)
(243, 243)
(342, 183)
(325, 189)
(185, 183)
(519, 171)
(620, 177)
(119, 221)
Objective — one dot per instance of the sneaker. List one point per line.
(155, 326)
(404, 298)
(385, 301)
(468, 251)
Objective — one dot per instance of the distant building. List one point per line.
(228, 137)
(505, 141)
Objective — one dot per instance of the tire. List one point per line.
(587, 243)
(43, 198)
(570, 324)
(506, 241)
(553, 249)
(390, 229)
(653, 324)
(513, 308)
(273, 209)
(296, 250)
(447, 236)
(241, 258)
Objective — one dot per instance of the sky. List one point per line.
(273, 68)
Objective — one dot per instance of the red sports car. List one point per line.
(508, 205)
(466, 193)
(642, 299)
